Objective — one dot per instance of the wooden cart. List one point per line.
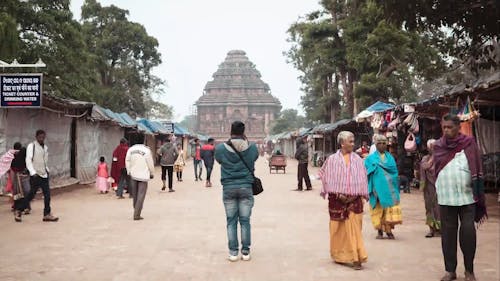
(277, 162)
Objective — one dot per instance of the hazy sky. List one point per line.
(195, 36)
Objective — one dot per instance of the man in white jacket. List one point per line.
(140, 167)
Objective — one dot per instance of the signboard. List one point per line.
(169, 126)
(21, 90)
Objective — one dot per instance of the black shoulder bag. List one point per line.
(257, 183)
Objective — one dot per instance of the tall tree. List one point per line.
(473, 25)
(124, 55)
(368, 58)
(289, 119)
(45, 29)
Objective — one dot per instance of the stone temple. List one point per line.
(236, 93)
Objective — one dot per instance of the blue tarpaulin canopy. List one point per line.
(180, 131)
(376, 107)
(153, 126)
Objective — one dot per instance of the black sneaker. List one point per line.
(17, 216)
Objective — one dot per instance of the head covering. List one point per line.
(383, 182)
(237, 128)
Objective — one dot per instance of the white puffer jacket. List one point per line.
(139, 162)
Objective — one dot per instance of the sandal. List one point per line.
(357, 266)
(429, 235)
(390, 236)
(380, 235)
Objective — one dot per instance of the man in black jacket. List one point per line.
(207, 154)
(302, 155)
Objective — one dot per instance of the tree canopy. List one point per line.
(288, 120)
(105, 58)
(350, 56)
(474, 26)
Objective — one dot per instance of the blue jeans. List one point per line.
(197, 163)
(238, 203)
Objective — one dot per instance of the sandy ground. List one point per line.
(183, 237)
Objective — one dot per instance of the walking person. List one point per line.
(169, 154)
(207, 155)
(345, 184)
(196, 154)
(237, 192)
(383, 189)
(7, 166)
(179, 163)
(101, 181)
(20, 181)
(140, 167)
(118, 170)
(427, 184)
(302, 155)
(460, 194)
(37, 159)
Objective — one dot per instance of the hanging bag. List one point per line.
(410, 143)
(257, 183)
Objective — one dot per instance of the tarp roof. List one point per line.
(376, 107)
(304, 131)
(144, 129)
(179, 130)
(329, 127)
(104, 114)
(153, 126)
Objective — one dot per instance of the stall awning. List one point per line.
(376, 107)
(329, 127)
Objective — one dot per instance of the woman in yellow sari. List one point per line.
(383, 187)
(345, 184)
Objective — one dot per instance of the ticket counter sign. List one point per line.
(21, 90)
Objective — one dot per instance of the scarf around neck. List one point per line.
(445, 151)
(341, 178)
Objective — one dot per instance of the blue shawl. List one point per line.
(383, 182)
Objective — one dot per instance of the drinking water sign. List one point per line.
(21, 90)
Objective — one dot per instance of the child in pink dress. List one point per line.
(102, 176)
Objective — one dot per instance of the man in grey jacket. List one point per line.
(302, 156)
(168, 153)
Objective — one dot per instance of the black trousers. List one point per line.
(36, 183)
(170, 171)
(467, 235)
(303, 174)
(209, 171)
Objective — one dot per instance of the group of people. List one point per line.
(133, 167)
(453, 191)
(451, 178)
(27, 173)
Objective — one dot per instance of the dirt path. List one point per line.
(183, 237)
